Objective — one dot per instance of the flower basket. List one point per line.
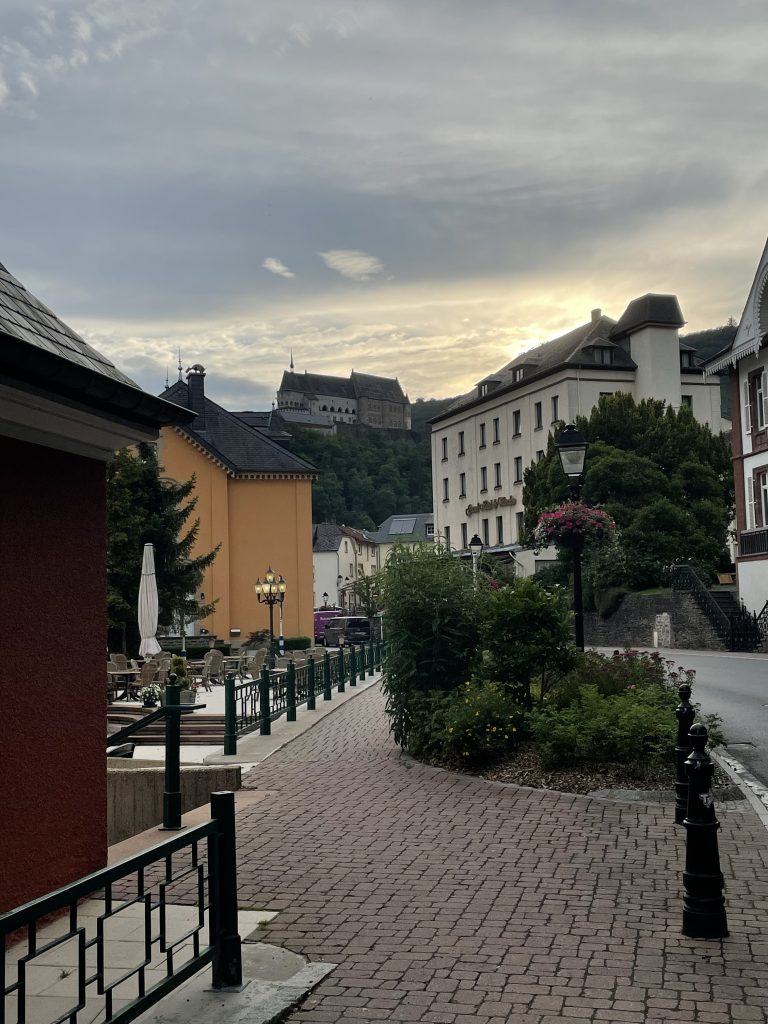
(573, 524)
(150, 695)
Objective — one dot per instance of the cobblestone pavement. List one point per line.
(448, 899)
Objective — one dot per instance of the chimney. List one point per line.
(196, 398)
(596, 314)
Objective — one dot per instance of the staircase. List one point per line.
(735, 627)
(196, 728)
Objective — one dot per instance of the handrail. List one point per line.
(141, 723)
(683, 577)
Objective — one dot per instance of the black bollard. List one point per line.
(703, 902)
(685, 715)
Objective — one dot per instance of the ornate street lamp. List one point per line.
(475, 549)
(572, 449)
(271, 591)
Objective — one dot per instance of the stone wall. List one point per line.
(633, 623)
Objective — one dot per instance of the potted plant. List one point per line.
(188, 693)
(150, 695)
(572, 525)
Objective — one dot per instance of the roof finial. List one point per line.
(180, 369)
(167, 381)
(291, 360)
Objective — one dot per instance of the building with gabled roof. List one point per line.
(416, 528)
(341, 554)
(254, 500)
(319, 400)
(483, 442)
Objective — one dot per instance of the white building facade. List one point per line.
(483, 443)
(746, 361)
(340, 555)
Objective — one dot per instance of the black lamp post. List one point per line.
(475, 549)
(271, 591)
(572, 449)
(325, 599)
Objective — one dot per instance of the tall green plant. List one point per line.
(431, 625)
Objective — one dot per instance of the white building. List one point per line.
(340, 555)
(482, 444)
(746, 360)
(409, 530)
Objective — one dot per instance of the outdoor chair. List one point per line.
(120, 660)
(256, 664)
(214, 664)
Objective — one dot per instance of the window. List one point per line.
(537, 416)
(606, 394)
(518, 469)
(445, 488)
(497, 475)
(445, 448)
(464, 536)
(496, 437)
(518, 375)
(482, 435)
(761, 394)
(539, 455)
(462, 485)
(483, 478)
(346, 547)
(430, 529)
(482, 390)
(756, 402)
(448, 536)
(687, 401)
(486, 533)
(686, 360)
(499, 529)
(359, 549)
(461, 442)
(516, 423)
(757, 499)
(351, 569)
(603, 355)
(519, 526)
(555, 408)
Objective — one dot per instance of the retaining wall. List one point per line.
(633, 623)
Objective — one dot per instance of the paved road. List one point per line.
(448, 899)
(734, 686)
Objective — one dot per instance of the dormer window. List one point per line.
(518, 374)
(482, 390)
(603, 354)
(686, 360)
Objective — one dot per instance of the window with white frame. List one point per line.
(486, 532)
(518, 469)
(555, 408)
(461, 442)
(483, 478)
(516, 423)
(445, 488)
(497, 475)
(444, 442)
(496, 434)
(761, 398)
(462, 485)
(464, 536)
(499, 529)
(482, 435)
(537, 416)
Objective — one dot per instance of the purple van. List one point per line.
(322, 616)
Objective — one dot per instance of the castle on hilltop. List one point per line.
(321, 401)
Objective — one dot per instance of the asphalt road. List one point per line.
(734, 686)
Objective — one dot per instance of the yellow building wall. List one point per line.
(259, 523)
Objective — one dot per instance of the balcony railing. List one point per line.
(753, 542)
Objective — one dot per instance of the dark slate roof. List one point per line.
(270, 422)
(39, 351)
(649, 311)
(240, 447)
(325, 537)
(409, 528)
(380, 389)
(317, 383)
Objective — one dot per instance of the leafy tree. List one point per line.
(143, 507)
(367, 592)
(430, 605)
(664, 477)
(526, 634)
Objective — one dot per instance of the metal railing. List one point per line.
(255, 703)
(739, 632)
(755, 542)
(100, 979)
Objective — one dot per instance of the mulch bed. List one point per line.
(524, 768)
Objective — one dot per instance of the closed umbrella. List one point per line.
(148, 605)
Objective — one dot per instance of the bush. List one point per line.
(526, 634)
(636, 727)
(472, 725)
(608, 602)
(624, 670)
(296, 643)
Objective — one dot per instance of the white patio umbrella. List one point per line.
(148, 605)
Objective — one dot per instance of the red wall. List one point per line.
(52, 669)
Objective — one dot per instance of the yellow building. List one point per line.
(254, 498)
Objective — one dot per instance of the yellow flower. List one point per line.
(450, 728)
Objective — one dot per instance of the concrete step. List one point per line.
(197, 727)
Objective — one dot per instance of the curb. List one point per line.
(754, 792)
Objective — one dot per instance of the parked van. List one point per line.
(348, 630)
(322, 617)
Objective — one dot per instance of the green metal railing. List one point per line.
(149, 877)
(255, 703)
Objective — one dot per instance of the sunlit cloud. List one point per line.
(351, 263)
(275, 266)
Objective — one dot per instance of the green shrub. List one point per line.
(611, 675)
(296, 643)
(472, 725)
(636, 727)
(608, 602)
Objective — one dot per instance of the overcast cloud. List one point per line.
(411, 189)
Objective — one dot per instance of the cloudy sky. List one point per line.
(416, 188)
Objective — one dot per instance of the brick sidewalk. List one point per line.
(456, 901)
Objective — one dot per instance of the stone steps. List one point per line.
(196, 728)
